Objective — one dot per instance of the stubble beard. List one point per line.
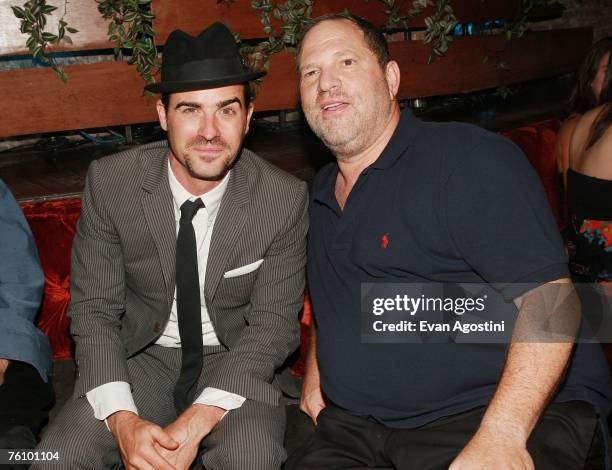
(346, 136)
(340, 133)
(223, 161)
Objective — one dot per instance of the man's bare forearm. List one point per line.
(311, 400)
(311, 366)
(535, 363)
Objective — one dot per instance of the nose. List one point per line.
(328, 80)
(208, 128)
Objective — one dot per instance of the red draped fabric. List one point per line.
(305, 322)
(537, 141)
(53, 225)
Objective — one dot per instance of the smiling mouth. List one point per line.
(334, 108)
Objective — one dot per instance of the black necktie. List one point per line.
(188, 307)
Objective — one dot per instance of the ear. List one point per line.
(250, 110)
(392, 73)
(161, 114)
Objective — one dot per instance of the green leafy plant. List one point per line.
(131, 28)
(33, 15)
(520, 26)
(438, 27)
(293, 15)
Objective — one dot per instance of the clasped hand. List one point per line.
(146, 446)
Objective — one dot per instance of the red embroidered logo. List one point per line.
(384, 241)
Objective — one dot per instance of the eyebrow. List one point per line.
(219, 105)
(223, 104)
(337, 55)
(187, 104)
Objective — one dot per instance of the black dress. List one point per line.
(590, 211)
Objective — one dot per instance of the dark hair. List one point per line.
(601, 124)
(373, 36)
(582, 98)
(248, 96)
(604, 119)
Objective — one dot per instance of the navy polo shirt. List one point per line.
(444, 202)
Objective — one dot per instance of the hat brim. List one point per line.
(191, 85)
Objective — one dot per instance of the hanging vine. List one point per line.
(131, 28)
(520, 26)
(293, 15)
(33, 15)
(439, 26)
(516, 29)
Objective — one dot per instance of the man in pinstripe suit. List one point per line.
(250, 239)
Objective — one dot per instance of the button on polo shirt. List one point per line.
(443, 203)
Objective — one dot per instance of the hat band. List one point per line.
(203, 70)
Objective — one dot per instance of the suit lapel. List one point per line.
(159, 214)
(228, 225)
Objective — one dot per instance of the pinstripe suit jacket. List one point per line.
(123, 269)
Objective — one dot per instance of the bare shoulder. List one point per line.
(562, 144)
(567, 128)
(595, 161)
(580, 135)
(599, 157)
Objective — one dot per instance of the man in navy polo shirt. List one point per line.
(409, 201)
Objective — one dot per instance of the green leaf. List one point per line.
(49, 37)
(72, 30)
(46, 9)
(67, 39)
(18, 12)
(29, 16)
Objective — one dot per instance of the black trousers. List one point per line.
(568, 437)
(25, 401)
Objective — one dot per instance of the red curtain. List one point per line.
(537, 141)
(53, 225)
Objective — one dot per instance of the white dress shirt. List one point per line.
(111, 397)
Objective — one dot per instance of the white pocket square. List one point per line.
(247, 268)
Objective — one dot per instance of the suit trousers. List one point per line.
(248, 437)
(567, 437)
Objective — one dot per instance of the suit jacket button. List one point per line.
(157, 327)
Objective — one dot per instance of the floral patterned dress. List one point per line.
(590, 211)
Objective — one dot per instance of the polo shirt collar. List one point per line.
(402, 138)
(325, 191)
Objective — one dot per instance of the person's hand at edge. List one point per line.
(4, 363)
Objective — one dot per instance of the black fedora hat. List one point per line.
(210, 60)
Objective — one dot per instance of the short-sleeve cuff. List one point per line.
(513, 290)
